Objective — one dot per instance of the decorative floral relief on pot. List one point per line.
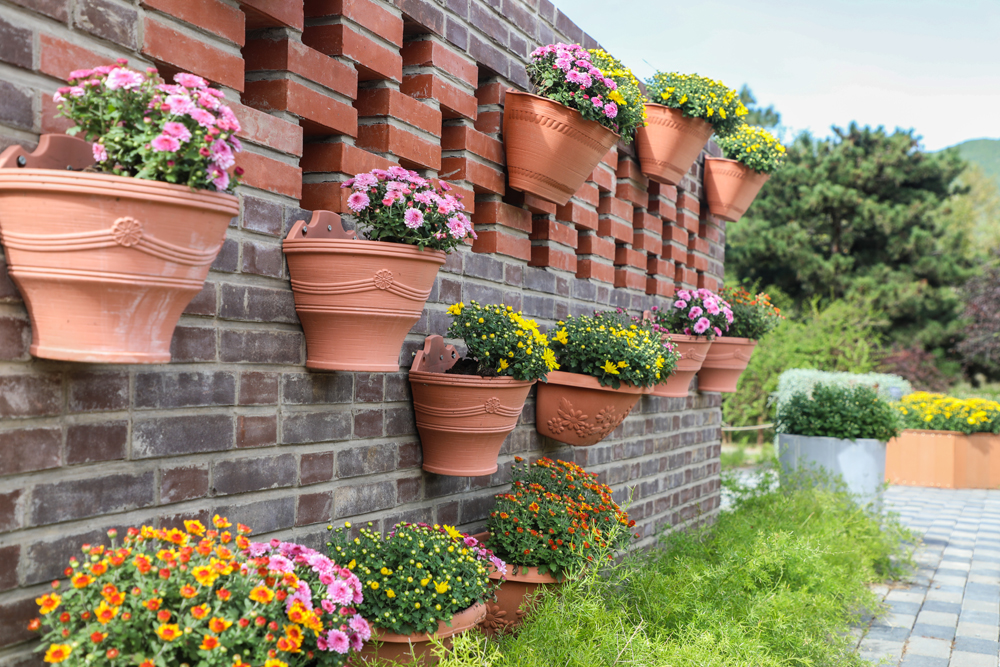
(407, 648)
(575, 409)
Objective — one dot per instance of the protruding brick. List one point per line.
(430, 52)
(603, 178)
(591, 244)
(676, 234)
(58, 57)
(451, 97)
(550, 230)
(394, 104)
(407, 146)
(687, 277)
(627, 191)
(647, 242)
(269, 174)
(296, 57)
(212, 15)
(674, 253)
(482, 177)
(630, 278)
(629, 257)
(628, 168)
(689, 202)
(552, 257)
(340, 157)
(488, 122)
(263, 129)
(581, 216)
(658, 266)
(374, 61)
(688, 221)
(502, 243)
(589, 268)
(167, 45)
(499, 213)
(320, 114)
(462, 137)
(708, 282)
(657, 286)
(616, 207)
(647, 221)
(370, 15)
(273, 13)
(615, 228)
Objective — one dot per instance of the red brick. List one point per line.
(687, 276)
(536, 205)
(629, 257)
(675, 233)
(611, 158)
(629, 168)
(212, 15)
(591, 244)
(663, 208)
(451, 97)
(482, 177)
(688, 221)
(630, 278)
(589, 193)
(15, 337)
(58, 57)
(550, 230)
(328, 196)
(374, 61)
(603, 178)
(697, 262)
(688, 201)
(668, 192)
(491, 93)
(434, 53)
(320, 114)
(314, 508)
(262, 128)
(288, 56)
(183, 483)
(647, 221)
(615, 228)
(407, 146)
(553, 258)
(489, 122)
(588, 268)
(617, 207)
(392, 103)
(315, 468)
(499, 213)
(658, 266)
(273, 13)
(708, 282)
(627, 190)
(646, 241)
(656, 286)
(581, 216)
(503, 244)
(699, 244)
(169, 46)
(340, 157)
(710, 232)
(370, 15)
(269, 174)
(462, 137)
(674, 253)
(26, 450)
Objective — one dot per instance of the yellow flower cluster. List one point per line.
(698, 97)
(627, 95)
(753, 146)
(502, 341)
(925, 410)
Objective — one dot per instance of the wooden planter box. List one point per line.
(944, 459)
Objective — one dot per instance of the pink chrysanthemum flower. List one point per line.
(358, 202)
(413, 218)
(164, 143)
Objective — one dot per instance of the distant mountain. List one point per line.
(985, 153)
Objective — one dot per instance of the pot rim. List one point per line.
(451, 379)
(460, 622)
(590, 382)
(709, 160)
(686, 338)
(734, 340)
(335, 246)
(563, 106)
(934, 431)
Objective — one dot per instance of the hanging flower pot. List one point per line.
(462, 419)
(730, 187)
(693, 350)
(726, 360)
(670, 143)
(577, 410)
(416, 648)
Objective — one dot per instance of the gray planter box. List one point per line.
(860, 462)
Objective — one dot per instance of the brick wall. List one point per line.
(236, 424)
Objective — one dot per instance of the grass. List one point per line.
(741, 455)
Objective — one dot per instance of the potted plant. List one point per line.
(606, 366)
(750, 319)
(842, 429)
(201, 597)
(419, 581)
(947, 442)
(465, 408)
(555, 138)
(683, 111)
(553, 520)
(357, 298)
(732, 183)
(108, 258)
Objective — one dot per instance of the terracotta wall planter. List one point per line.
(106, 264)
(551, 149)
(356, 299)
(575, 409)
(670, 144)
(416, 648)
(944, 459)
(693, 350)
(462, 419)
(731, 187)
(725, 362)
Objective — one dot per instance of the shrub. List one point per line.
(937, 412)
(848, 413)
(753, 316)
(400, 206)
(698, 97)
(556, 517)
(981, 344)
(629, 97)
(170, 597)
(501, 341)
(611, 351)
(917, 366)
(176, 133)
(798, 380)
(695, 313)
(417, 576)
(754, 147)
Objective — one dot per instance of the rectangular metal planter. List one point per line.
(861, 462)
(944, 459)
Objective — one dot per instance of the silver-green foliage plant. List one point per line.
(799, 380)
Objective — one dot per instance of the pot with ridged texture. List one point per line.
(416, 648)
(726, 360)
(670, 143)
(463, 420)
(730, 187)
(693, 351)
(550, 148)
(106, 264)
(577, 410)
(356, 299)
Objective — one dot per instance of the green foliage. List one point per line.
(798, 380)
(768, 117)
(698, 97)
(861, 214)
(984, 153)
(753, 316)
(848, 413)
(754, 147)
(611, 351)
(501, 341)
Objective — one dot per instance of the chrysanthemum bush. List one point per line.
(697, 312)
(142, 127)
(612, 351)
(566, 73)
(501, 341)
(628, 96)
(416, 576)
(698, 97)
(555, 517)
(754, 147)
(400, 206)
(938, 412)
(754, 316)
(201, 597)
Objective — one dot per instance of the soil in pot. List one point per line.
(670, 143)
(577, 410)
(416, 649)
(726, 360)
(730, 187)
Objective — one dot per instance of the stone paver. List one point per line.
(948, 613)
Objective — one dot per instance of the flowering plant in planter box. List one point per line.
(555, 517)
(628, 95)
(753, 316)
(938, 412)
(695, 313)
(567, 74)
(501, 342)
(140, 126)
(416, 576)
(612, 351)
(400, 206)
(202, 597)
(698, 97)
(754, 147)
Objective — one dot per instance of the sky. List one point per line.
(930, 65)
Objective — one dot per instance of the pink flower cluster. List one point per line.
(347, 629)
(705, 309)
(575, 64)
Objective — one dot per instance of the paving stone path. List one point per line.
(948, 613)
